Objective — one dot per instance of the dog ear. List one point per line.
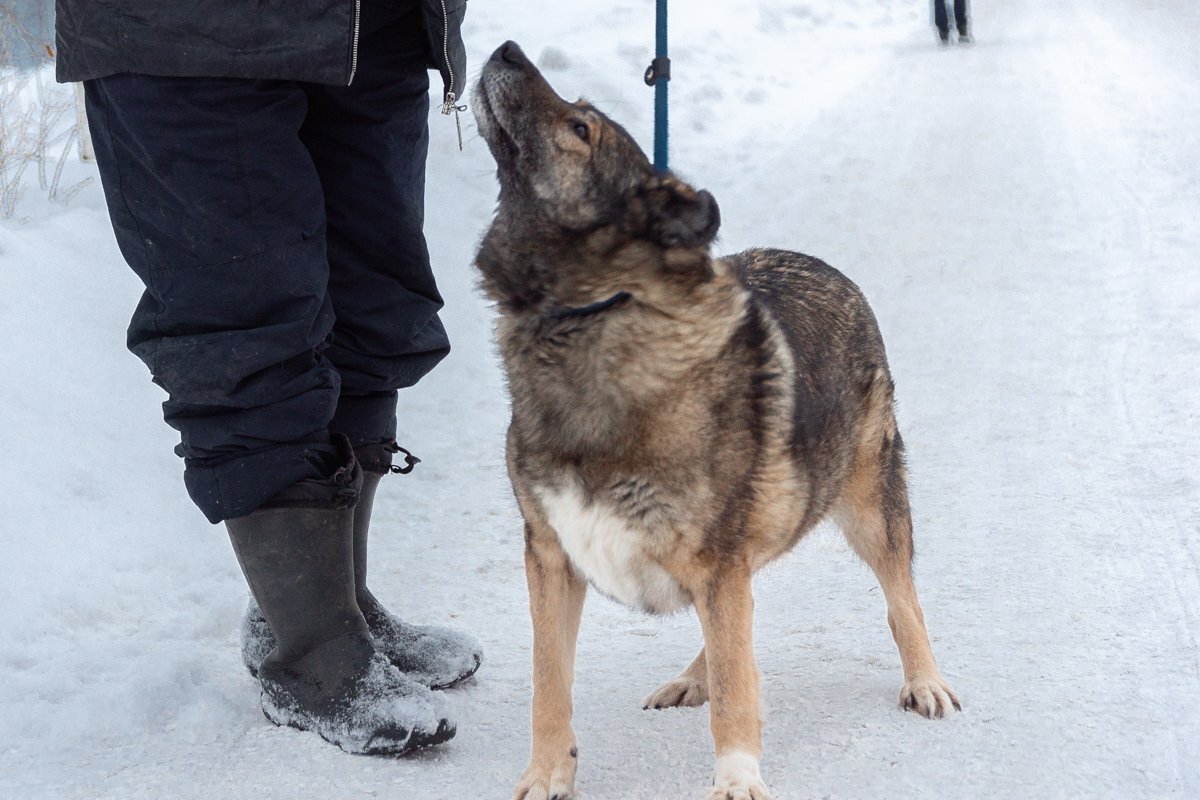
(679, 216)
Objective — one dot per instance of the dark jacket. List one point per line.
(301, 40)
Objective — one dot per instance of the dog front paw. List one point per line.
(548, 779)
(755, 791)
(930, 696)
(679, 691)
(737, 778)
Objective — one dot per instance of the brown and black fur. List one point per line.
(679, 420)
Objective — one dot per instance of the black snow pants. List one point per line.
(277, 227)
(942, 21)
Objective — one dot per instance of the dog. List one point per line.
(678, 420)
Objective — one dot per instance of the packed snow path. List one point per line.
(1025, 217)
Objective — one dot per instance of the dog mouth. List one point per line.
(500, 79)
(491, 126)
(485, 115)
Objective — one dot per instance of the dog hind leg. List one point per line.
(873, 513)
(689, 688)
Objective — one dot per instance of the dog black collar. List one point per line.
(586, 311)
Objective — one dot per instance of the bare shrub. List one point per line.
(37, 126)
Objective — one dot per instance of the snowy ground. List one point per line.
(1024, 215)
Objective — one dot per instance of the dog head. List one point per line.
(573, 169)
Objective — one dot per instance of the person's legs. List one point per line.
(369, 143)
(218, 208)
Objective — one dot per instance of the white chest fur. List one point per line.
(610, 551)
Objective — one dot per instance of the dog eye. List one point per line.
(581, 130)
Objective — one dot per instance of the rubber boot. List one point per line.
(434, 656)
(324, 673)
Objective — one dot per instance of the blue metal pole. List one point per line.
(661, 76)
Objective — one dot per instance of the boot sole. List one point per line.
(415, 740)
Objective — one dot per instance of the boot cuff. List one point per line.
(339, 490)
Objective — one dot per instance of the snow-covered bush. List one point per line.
(37, 122)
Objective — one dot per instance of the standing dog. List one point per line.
(678, 421)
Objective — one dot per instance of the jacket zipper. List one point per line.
(354, 40)
(448, 105)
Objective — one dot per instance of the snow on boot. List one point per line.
(434, 656)
(324, 672)
(351, 696)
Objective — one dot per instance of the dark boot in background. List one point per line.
(432, 655)
(323, 672)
